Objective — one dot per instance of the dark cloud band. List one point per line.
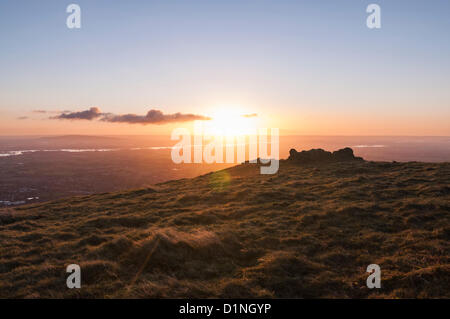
(91, 114)
(152, 117)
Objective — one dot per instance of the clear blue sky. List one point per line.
(313, 67)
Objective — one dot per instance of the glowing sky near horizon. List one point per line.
(306, 67)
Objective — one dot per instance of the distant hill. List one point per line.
(55, 142)
(309, 231)
(61, 138)
(79, 140)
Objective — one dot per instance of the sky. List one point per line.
(305, 67)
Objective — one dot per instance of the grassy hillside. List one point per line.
(309, 231)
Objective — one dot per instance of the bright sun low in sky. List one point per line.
(231, 121)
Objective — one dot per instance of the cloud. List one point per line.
(91, 114)
(250, 115)
(152, 117)
(22, 118)
(48, 112)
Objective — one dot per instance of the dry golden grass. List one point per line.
(307, 232)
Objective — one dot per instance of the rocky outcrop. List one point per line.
(318, 155)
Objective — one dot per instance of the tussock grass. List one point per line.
(308, 232)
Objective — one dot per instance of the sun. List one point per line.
(227, 121)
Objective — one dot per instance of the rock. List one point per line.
(345, 154)
(318, 155)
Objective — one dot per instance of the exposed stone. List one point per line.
(318, 155)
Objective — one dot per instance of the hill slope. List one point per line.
(308, 231)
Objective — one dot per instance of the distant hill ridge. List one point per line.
(77, 137)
